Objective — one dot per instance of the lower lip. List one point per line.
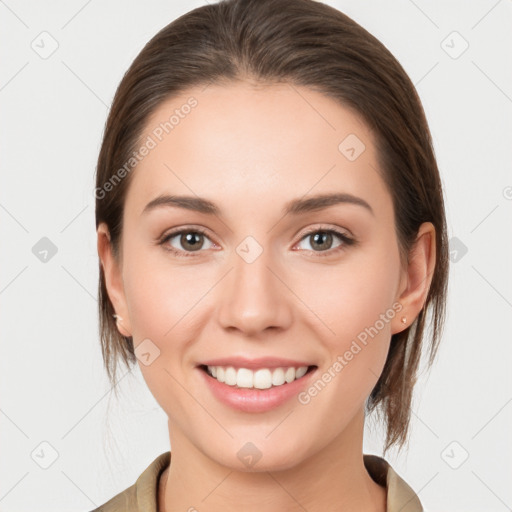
(256, 400)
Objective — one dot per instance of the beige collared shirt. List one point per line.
(142, 496)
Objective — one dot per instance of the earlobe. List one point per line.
(113, 280)
(418, 276)
(120, 323)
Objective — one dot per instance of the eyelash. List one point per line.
(347, 241)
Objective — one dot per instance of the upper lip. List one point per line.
(260, 362)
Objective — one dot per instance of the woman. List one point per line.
(245, 136)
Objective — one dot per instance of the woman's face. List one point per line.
(266, 283)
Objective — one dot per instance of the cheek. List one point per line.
(161, 297)
(359, 314)
(163, 302)
(357, 302)
(352, 296)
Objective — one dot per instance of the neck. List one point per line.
(336, 474)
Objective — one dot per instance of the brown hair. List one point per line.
(300, 42)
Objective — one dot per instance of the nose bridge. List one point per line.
(254, 298)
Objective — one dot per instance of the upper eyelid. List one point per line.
(180, 231)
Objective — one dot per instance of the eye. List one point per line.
(191, 240)
(321, 241)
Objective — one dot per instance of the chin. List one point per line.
(258, 457)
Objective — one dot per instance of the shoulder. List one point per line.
(142, 495)
(400, 496)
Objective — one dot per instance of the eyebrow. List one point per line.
(295, 207)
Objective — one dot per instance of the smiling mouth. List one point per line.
(262, 378)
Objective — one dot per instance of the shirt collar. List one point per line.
(400, 497)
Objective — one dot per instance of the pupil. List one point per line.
(321, 235)
(189, 240)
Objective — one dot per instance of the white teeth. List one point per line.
(278, 377)
(263, 378)
(244, 378)
(300, 372)
(230, 376)
(289, 375)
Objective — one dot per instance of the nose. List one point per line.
(255, 297)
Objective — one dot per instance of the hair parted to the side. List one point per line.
(306, 43)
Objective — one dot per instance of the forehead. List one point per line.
(266, 143)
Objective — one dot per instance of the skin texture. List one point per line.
(251, 149)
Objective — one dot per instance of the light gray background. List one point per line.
(54, 390)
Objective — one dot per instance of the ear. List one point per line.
(416, 279)
(113, 280)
